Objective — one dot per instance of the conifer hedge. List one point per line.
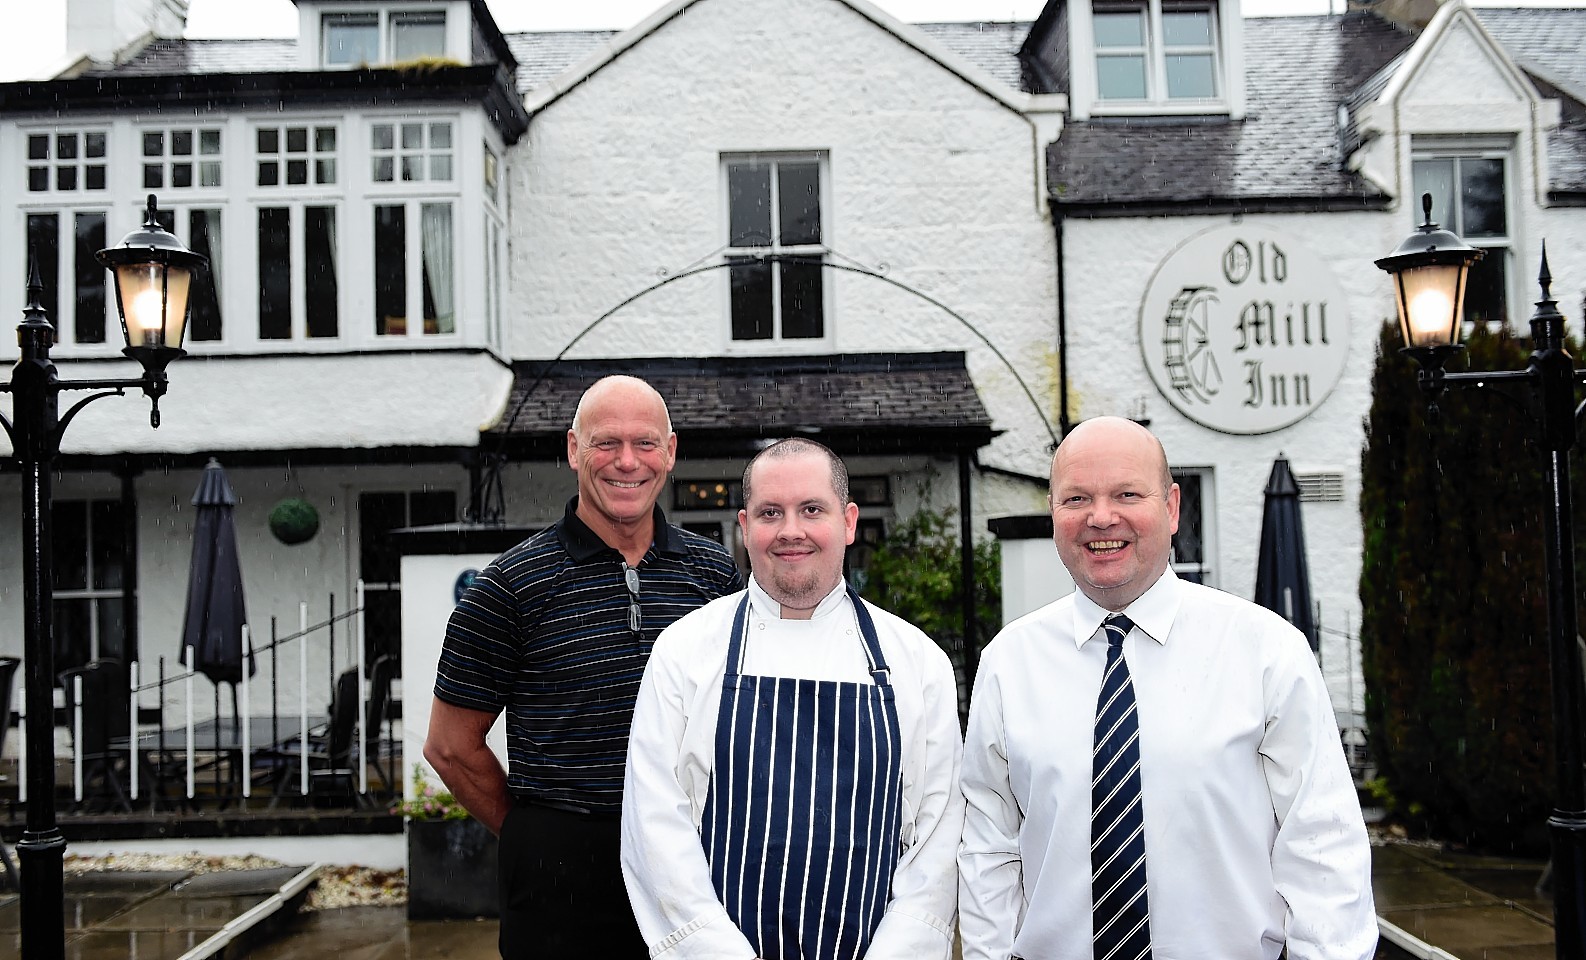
(1454, 625)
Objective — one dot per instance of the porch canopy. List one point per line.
(857, 404)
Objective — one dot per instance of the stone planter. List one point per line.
(451, 870)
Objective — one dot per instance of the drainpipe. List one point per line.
(966, 570)
(1063, 422)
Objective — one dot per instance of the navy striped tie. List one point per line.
(1117, 828)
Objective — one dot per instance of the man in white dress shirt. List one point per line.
(792, 779)
(1252, 835)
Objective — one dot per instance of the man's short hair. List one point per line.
(797, 446)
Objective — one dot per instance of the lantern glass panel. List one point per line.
(1430, 307)
(153, 300)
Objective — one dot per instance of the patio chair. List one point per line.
(102, 767)
(378, 734)
(8, 672)
(329, 754)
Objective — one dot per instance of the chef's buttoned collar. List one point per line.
(764, 606)
(1152, 612)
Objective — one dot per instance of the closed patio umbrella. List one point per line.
(1283, 579)
(215, 612)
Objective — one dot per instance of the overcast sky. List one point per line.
(36, 35)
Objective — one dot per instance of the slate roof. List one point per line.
(1285, 153)
(177, 57)
(1547, 43)
(993, 46)
(542, 56)
(898, 402)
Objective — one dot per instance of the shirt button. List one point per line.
(760, 625)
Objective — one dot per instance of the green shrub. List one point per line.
(915, 573)
(1454, 603)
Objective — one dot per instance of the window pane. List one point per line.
(440, 136)
(801, 299)
(1485, 287)
(297, 172)
(44, 243)
(1120, 78)
(378, 515)
(441, 167)
(181, 174)
(88, 324)
(38, 146)
(1481, 198)
(1187, 28)
(111, 640)
(799, 202)
(296, 139)
(209, 173)
(209, 142)
(413, 168)
(1189, 544)
(412, 136)
(1191, 77)
(204, 295)
(269, 140)
(1123, 28)
(749, 204)
(325, 139)
(319, 266)
(390, 270)
(69, 550)
(751, 299)
(1437, 178)
(382, 136)
(269, 173)
(384, 170)
(154, 144)
(72, 639)
(93, 144)
(415, 35)
(351, 39)
(38, 179)
(95, 175)
(66, 178)
(66, 146)
(181, 143)
(153, 176)
(275, 273)
(109, 543)
(324, 171)
(431, 507)
(439, 274)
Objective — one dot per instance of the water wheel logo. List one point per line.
(1186, 345)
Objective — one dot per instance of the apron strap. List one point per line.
(880, 673)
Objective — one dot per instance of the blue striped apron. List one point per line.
(801, 822)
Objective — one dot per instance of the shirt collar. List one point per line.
(1152, 612)
(583, 544)
(762, 601)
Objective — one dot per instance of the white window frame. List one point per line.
(64, 317)
(297, 246)
(413, 261)
(1208, 568)
(426, 153)
(1474, 148)
(1227, 38)
(167, 160)
(776, 343)
(386, 22)
(51, 164)
(312, 156)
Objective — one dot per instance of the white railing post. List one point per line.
(245, 710)
(22, 750)
(363, 697)
(132, 727)
(187, 681)
(77, 738)
(302, 697)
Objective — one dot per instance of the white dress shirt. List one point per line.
(1253, 833)
(672, 749)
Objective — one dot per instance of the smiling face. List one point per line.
(796, 528)
(1114, 509)
(622, 448)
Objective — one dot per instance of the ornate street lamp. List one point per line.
(153, 273)
(1429, 271)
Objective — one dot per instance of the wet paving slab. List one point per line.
(380, 933)
(155, 915)
(1473, 908)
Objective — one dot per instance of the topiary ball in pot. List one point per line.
(294, 520)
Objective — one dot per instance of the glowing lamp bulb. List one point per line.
(148, 311)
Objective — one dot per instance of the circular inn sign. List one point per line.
(1244, 330)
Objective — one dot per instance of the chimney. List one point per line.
(112, 31)
(1408, 14)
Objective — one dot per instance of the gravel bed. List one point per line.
(338, 886)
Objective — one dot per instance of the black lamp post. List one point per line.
(153, 271)
(1429, 271)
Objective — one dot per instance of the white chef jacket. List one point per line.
(1253, 833)
(672, 749)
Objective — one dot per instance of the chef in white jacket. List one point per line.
(792, 770)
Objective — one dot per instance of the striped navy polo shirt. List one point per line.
(543, 634)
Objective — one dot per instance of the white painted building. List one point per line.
(922, 244)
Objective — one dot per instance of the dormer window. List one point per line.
(1155, 51)
(365, 39)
